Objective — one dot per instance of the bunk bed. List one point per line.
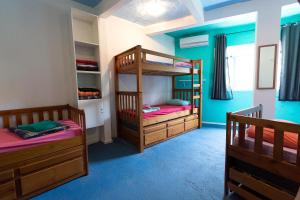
(29, 167)
(262, 156)
(145, 130)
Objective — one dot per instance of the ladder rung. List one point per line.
(196, 97)
(197, 85)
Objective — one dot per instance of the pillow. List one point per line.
(178, 102)
(146, 106)
(290, 139)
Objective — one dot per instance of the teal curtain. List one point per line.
(221, 89)
(290, 72)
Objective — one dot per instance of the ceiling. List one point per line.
(131, 12)
(249, 18)
(207, 4)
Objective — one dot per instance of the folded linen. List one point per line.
(178, 102)
(151, 109)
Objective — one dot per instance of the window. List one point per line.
(240, 60)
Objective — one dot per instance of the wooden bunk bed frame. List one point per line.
(147, 132)
(28, 172)
(253, 173)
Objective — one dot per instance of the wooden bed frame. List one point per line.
(252, 173)
(28, 172)
(147, 132)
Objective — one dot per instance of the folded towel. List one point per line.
(39, 126)
(152, 109)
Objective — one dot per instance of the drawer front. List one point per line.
(155, 136)
(53, 160)
(191, 124)
(175, 122)
(51, 176)
(7, 191)
(191, 117)
(175, 130)
(156, 127)
(6, 176)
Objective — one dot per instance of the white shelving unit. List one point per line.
(87, 47)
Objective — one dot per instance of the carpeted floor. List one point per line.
(188, 167)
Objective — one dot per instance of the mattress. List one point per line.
(164, 110)
(177, 64)
(10, 142)
(289, 155)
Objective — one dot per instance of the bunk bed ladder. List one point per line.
(197, 88)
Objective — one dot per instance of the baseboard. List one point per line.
(214, 124)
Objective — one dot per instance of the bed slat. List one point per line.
(278, 145)
(19, 119)
(6, 121)
(258, 139)
(242, 128)
(298, 151)
(30, 118)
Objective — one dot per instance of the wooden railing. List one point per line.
(127, 59)
(127, 106)
(184, 94)
(12, 118)
(239, 121)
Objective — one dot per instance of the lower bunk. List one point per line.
(29, 167)
(156, 127)
(262, 156)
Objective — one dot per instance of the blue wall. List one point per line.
(215, 110)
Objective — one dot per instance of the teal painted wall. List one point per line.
(215, 110)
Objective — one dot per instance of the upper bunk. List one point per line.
(131, 60)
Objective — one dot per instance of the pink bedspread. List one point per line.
(166, 109)
(11, 142)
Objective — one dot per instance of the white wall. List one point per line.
(35, 53)
(119, 35)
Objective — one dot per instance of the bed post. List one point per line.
(200, 76)
(193, 85)
(173, 86)
(116, 93)
(228, 136)
(139, 79)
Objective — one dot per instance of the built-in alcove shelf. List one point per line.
(86, 47)
(88, 72)
(86, 44)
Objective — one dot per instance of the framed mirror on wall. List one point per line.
(266, 66)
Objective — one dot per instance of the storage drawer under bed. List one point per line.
(52, 175)
(8, 191)
(191, 124)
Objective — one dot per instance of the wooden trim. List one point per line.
(275, 67)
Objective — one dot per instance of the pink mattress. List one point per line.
(289, 155)
(166, 109)
(11, 142)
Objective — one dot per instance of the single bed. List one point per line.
(32, 166)
(258, 166)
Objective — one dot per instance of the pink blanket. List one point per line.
(11, 142)
(166, 109)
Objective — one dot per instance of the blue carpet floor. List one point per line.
(188, 167)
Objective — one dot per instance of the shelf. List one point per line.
(89, 100)
(86, 44)
(88, 72)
